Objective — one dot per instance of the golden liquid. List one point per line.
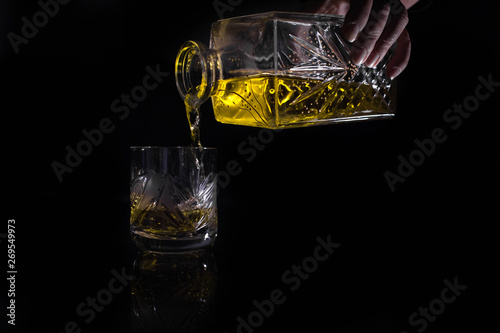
(271, 102)
(160, 222)
(193, 115)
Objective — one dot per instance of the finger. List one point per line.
(389, 36)
(401, 56)
(368, 37)
(356, 18)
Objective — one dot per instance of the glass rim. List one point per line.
(173, 147)
(285, 14)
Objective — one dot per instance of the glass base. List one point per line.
(166, 245)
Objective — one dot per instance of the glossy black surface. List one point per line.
(393, 254)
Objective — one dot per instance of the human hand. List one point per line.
(373, 26)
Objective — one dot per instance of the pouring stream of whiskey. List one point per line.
(193, 102)
(193, 116)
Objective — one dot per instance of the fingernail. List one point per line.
(351, 31)
(373, 60)
(394, 72)
(358, 56)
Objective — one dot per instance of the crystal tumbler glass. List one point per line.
(173, 198)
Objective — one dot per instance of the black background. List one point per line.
(396, 247)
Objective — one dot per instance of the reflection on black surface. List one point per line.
(174, 292)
